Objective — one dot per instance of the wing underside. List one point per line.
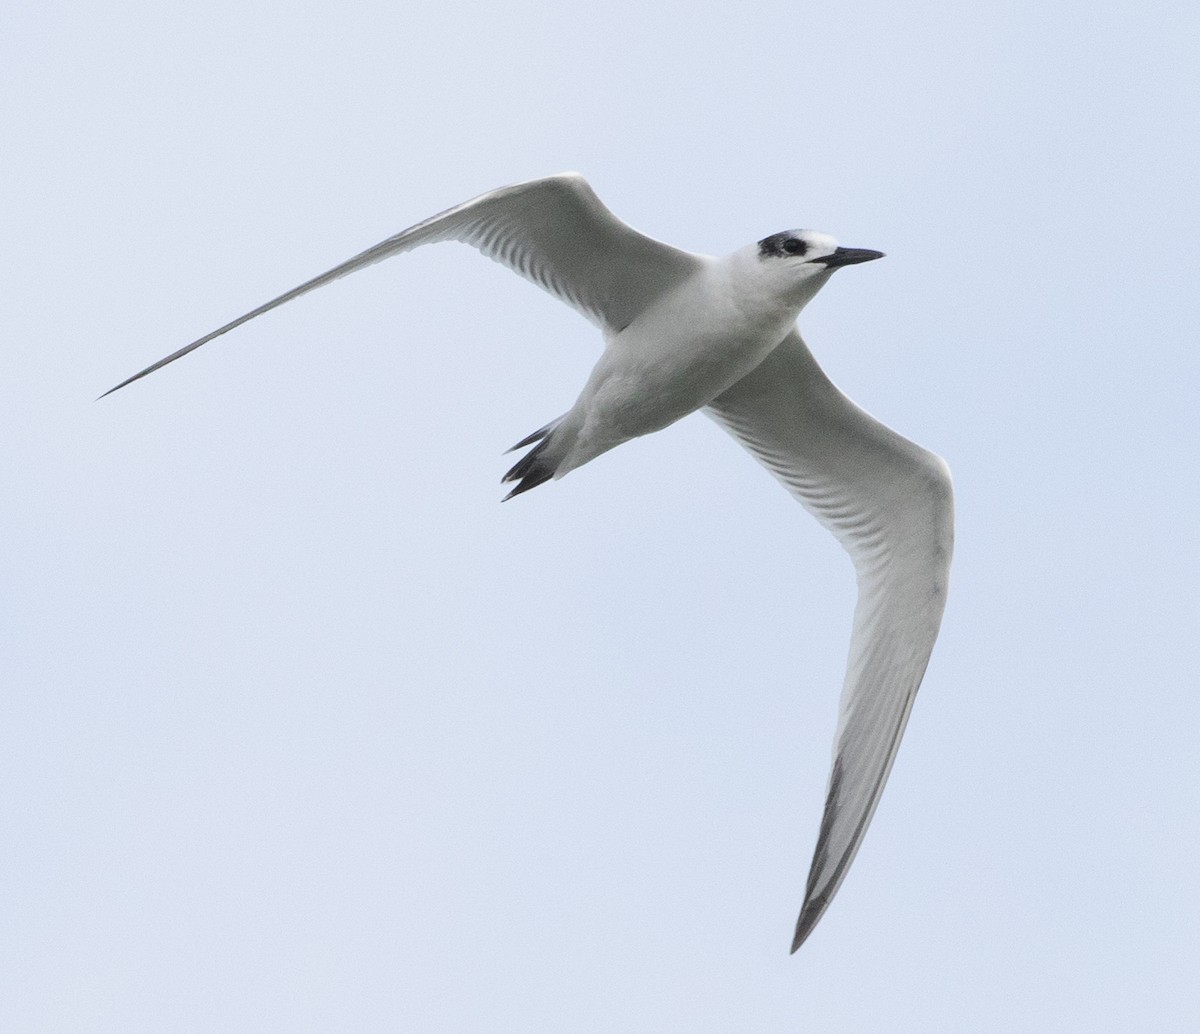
(889, 503)
(554, 232)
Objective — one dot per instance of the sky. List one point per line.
(302, 730)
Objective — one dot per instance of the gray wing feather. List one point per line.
(889, 503)
(554, 232)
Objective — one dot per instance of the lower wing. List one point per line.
(889, 503)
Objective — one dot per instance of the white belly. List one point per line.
(675, 358)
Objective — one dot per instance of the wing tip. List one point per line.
(810, 914)
(126, 381)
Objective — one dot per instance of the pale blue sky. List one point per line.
(304, 731)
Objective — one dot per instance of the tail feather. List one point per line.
(538, 465)
(537, 436)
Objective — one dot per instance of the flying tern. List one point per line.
(686, 332)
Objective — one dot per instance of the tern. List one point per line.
(686, 332)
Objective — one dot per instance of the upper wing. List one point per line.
(889, 503)
(553, 231)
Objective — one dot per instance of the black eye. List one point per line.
(794, 247)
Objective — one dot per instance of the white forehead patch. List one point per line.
(800, 245)
(818, 243)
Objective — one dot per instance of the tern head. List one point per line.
(796, 264)
(806, 253)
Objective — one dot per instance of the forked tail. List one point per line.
(538, 465)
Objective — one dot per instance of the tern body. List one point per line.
(685, 333)
(678, 354)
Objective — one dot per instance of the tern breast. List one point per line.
(679, 354)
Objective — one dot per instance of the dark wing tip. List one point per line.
(127, 380)
(174, 355)
(810, 915)
(820, 874)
